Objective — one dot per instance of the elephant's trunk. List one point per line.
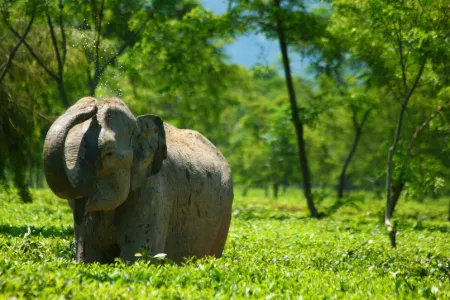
(54, 161)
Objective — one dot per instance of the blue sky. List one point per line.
(254, 49)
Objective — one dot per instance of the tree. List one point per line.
(405, 46)
(262, 146)
(295, 113)
(108, 21)
(14, 124)
(185, 80)
(59, 47)
(343, 81)
(281, 20)
(19, 43)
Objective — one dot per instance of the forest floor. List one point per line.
(274, 250)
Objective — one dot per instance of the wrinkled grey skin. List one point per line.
(137, 183)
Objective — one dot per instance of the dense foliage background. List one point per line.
(368, 120)
(167, 58)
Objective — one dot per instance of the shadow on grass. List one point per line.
(423, 227)
(421, 216)
(260, 212)
(248, 213)
(45, 231)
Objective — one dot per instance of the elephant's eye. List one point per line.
(109, 154)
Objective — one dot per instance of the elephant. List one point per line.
(137, 184)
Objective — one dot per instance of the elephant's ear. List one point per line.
(150, 149)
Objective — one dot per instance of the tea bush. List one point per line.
(274, 250)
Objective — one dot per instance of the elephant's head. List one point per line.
(99, 151)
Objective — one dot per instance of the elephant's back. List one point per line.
(191, 150)
(201, 192)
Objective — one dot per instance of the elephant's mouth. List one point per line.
(83, 205)
(107, 195)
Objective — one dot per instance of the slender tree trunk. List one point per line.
(347, 161)
(397, 188)
(390, 204)
(62, 92)
(245, 191)
(38, 177)
(391, 228)
(20, 181)
(358, 131)
(285, 186)
(92, 87)
(295, 114)
(60, 53)
(276, 188)
(2, 169)
(30, 175)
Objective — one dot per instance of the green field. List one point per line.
(274, 250)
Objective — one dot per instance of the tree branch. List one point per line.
(55, 43)
(97, 40)
(427, 83)
(38, 60)
(358, 132)
(98, 72)
(50, 119)
(416, 80)
(124, 46)
(21, 40)
(354, 119)
(402, 59)
(63, 33)
(61, 59)
(425, 123)
(365, 116)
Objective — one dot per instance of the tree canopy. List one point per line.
(369, 114)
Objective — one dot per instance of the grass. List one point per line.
(274, 250)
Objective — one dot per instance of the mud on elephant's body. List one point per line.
(137, 183)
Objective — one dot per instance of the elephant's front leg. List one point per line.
(144, 219)
(142, 240)
(85, 249)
